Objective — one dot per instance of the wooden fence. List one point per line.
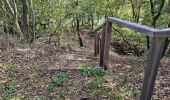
(102, 46)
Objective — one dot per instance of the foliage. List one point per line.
(74, 90)
(9, 92)
(59, 80)
(95, 84)
(11, 69)
(92, 71)
(58, 17)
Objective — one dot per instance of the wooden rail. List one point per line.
(153, 61)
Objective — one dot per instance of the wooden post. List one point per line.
(107, 44)
(154, 58)
(96, 44)
(102, 43)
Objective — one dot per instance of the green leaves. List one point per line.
(11, 69)
(59, 80)
(95, 84)
(9, 92)
(92, 72)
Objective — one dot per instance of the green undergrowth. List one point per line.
(59, 80)
(92, 71)
(9, 89)
(98, 78)
(11, 69)
(100, 84)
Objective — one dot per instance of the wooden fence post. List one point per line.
(102, 43)
(153, 64)
(107, 44)
(96, 44)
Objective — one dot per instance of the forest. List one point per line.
(84, 50)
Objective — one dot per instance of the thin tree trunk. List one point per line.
(25, 29)
(78, 28)
(33, 22)
(135, 10)
(13, 14)
(16, 24)
(92, 21)
(78, 32)
(10, 7)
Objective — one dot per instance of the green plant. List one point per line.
(117, 97)
(98, 88)
(92, 85)
(12, 72)
(103, 90)
(74, 90)
(95, 84)
(136, 93)
(59, 80)
(124, 92)
(92, 72)
(11, 69)
(9, 92)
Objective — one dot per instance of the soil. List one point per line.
(38, 62)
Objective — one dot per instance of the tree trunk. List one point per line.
(135, 10)
(78, 32)
(78, 28)
(25, 29)
(16, 24)
(32, 37)
(92, 21)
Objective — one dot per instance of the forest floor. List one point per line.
(45, 72)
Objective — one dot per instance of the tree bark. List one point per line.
(135, 10)
(16, 24)
(32, 37)
(25, 29)
(78, 32)
(12, 13)
(92, 21)
(78, 28)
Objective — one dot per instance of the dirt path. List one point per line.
(37, 63)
